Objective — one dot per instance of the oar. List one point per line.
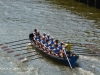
(27, 56)
(85, 54)
(19, 44)
(67, 59)
(12, 48)
(24, 53)
(79, 48)
(80, 44)
(13, 42)
(4, 47)
(31, 59)
(18, 47)
(14, 45)
(17, 50)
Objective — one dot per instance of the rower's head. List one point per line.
(43, 38)
(47, 41)
(56, 41)
(67, 42)
(61, 43)
(35, 30)
(44, 34)
(52, 38)
(48, 35)
(38, 33)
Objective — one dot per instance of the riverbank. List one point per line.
(93, 3)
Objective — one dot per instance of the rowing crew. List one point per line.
(49, 45)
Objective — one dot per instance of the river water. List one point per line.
(62, 19)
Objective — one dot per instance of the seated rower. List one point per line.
(48, 37)
(36, 37)
(68, 47)
(35, 32)
(61, 51)
(52, 41)
(61, 46)
(46, 45)
(50, 48)
(39, 41)
(43, 42)
(56, 43)
(56, 50)
(44, 35)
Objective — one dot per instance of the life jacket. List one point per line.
(47, 45)
(51, 47)
(43, 41)
(48, 39)
(56, 50)
(36, 37)
(60, 47)
(39, 40)
(51, 42)
(56, 44)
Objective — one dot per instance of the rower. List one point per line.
(61, 51)
(48, 37)
(46, 46)
(52, 40)
(35, 32)
(56, 43)
(44, 35)
(43, 42)
(61, 46)
(39, 41)
(68, 47)
(56, 50)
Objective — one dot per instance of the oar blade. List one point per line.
(10, 51)
(17, 55)
(1, 44)
(6, 49)
(21, 58)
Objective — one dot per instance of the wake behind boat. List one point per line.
(52, 48)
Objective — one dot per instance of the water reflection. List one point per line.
(79, 9)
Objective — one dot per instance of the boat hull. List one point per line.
(63, 61)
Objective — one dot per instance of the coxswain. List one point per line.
(68, 48)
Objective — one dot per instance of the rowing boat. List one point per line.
(71, 61)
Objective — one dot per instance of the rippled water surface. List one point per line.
(62, 19)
